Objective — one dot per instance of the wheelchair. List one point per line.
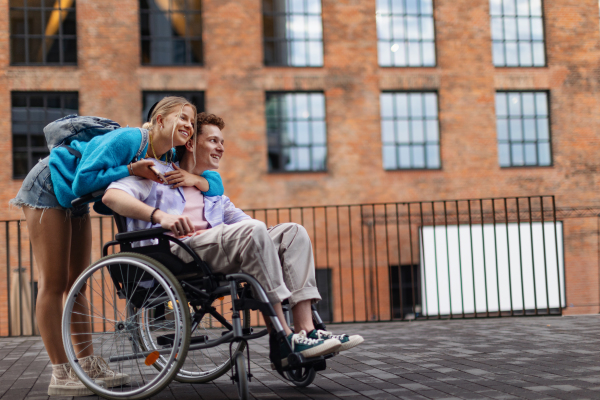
(155, 318)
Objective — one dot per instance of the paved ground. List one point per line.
(508, 358)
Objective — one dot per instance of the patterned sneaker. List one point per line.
(308, 347)
(347, 342)
(64, 382)
(96, 368)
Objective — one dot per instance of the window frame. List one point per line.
(274, 39)
(410, 144)
(310, 146)
(406, 40)
(187, 39)
(29, 149)
(517, 41)
(26, 36)
(549, 116)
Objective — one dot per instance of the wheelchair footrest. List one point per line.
(167, 340)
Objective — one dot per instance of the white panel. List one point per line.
(466, 268)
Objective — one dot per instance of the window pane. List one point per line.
(315, 53)
(496, 7)
(412, 6)
(539, 58)
(432, 131)
(384, 27)
(383, 54)
(537, 29)
(528, 104)
(433, 156)
(523, 7)
(403, 131)
(386, 105)
(504, 155)
(529, 129)
(524, 29)
(541, 104)
(302, 133)
(398, 28)
(536, 7)
(417, 131)
(510, 29)
(542, 129)
(383, 6)
(401, 105)
(502, 129)
(404, 159)
(516, 130)
(416, 105)
(397, 6)
(530, 154)
(544, 154)
(17, 50)
(399, 54)
(303, 158)
(497, 29)
(428, 54)
(414, 54)
(389, 157)
(426, 6)
(498, 54)
(418, 156)
(509, 7)
(319, 158)
(313, 6)
(387, 132)
(512, 54)
(517, 155)
(525, 54)
(430, 105)
(514, 104)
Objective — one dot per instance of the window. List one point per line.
(405, 284)
(523, 129)
(296, 134)
(517, 33)
(43, 32)
(150, 98)
(293, 33)
(405, 33)
(325, 306)
(171, 32)
(31, 112)
(410, 131)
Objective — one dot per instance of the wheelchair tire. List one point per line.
(204, 365)
(111, 293)
(301, 377)
(241, 375)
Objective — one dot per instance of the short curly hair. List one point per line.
(205, 118)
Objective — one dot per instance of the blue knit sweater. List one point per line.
(103, 160)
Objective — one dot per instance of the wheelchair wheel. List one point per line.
(240, 375)
(204, 365)
(103, 314)
(301, 377)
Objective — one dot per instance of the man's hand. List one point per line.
(178, 224)
(180, 177)
(142, 168)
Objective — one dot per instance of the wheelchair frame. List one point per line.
(193, 284)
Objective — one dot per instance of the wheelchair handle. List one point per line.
(87, 198)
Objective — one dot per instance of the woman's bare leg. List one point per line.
(50, 236)
(81, 249)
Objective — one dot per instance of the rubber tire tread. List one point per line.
(242, 383)
(167, 275)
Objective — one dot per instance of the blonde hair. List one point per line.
(167, 106)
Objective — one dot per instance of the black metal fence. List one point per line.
(379, 262)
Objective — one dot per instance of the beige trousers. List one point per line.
(280, 258)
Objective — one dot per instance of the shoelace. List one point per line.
(301, 338)
(98, 364)
(329, 335)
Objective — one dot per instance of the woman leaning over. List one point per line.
(61, 235)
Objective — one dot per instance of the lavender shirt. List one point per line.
(217, 209)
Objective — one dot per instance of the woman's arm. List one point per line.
(209, 183)
(128, 206)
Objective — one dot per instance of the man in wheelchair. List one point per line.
(227, 239)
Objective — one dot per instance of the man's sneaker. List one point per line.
(347, 342)
(308, 347)
(64, 382)
(96, 368)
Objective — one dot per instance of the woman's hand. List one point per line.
(180, 225)
(142, 168)
(180, 177)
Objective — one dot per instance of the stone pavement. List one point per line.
(507, 358)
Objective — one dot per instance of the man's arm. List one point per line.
(128, 206)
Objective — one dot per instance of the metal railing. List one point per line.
(468, 258)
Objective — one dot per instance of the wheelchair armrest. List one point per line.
(88, 198)
(143, 234)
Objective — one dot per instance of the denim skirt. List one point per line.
(37, 192)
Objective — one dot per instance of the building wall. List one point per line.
(110, 80)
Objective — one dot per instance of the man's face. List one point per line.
(210, 147)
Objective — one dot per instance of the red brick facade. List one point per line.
(110, 79)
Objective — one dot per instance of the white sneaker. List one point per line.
(347, 342)
(64, 382)
(97, 368)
